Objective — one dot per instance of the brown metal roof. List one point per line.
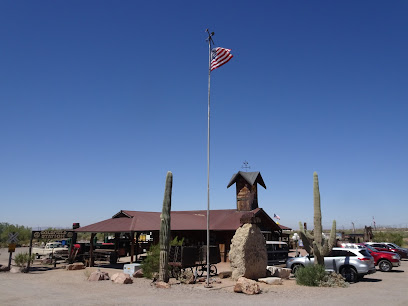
(284, 227)
(139, 221)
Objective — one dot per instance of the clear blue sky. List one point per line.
(99, 99)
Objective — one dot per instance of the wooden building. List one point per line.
(192, 225)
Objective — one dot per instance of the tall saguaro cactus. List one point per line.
(315, 244)
(165, 230)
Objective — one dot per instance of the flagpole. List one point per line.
(208, 159)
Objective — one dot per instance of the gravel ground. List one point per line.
(61, 287)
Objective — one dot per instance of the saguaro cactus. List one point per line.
(315, 244)
(165, 230)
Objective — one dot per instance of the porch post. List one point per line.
(132, 246)
(91, 259)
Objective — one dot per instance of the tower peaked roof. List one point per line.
(250, 177)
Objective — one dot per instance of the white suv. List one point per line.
(351, 263)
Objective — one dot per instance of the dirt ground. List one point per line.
(49, 286)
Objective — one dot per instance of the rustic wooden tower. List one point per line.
(247, 192)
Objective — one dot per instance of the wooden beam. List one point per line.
(132, 246)
(91, 257)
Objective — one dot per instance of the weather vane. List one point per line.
(245, 166)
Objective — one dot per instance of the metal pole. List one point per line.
(208, 161)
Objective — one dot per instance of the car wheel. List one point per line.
(384, 266)
(295, 268)
(350, 274)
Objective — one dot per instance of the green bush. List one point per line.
(392, 237)
(312, 275)
(151, 264)
(22, 259)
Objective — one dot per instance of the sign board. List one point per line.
(52, 234)
(12, 237)
(11, 247)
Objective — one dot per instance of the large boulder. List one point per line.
(248, 256)
(121, 278)
(247, 286)
(98, 276)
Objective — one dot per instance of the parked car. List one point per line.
(384, 260)
(49, 249)
(393, 245)
(383, 246)
(351, 263)
(277, 252)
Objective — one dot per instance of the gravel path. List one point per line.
(61, 287)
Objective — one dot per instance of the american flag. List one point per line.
(219, 57)
(276, 216)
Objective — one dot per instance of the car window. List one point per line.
(364, 253)
(370, 248)
(340, 253)
(378, 245)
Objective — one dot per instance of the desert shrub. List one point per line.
(22, 259)
(333, 280)
(392, 237)
(311, 275)
(151, 264)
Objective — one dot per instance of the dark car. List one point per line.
(277, 252)
(381, 246)
(395, 246)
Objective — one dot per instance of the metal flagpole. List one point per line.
(208, 158)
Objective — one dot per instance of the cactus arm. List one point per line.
(332, 239)
(306, 239)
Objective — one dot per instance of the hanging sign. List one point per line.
(52, 234)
